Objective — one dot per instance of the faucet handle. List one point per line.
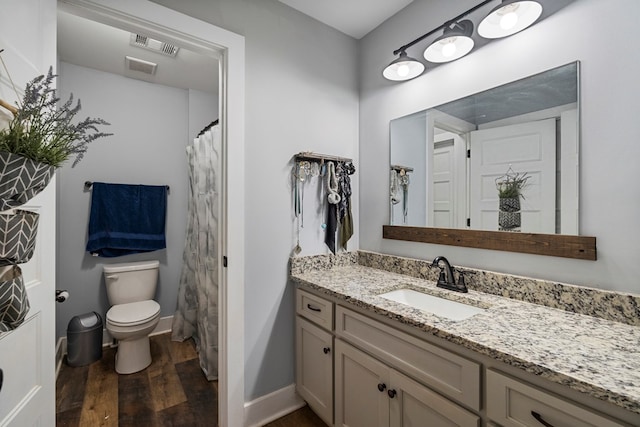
(461, 284)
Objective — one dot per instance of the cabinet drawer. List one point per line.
(314, 308)
(445, 372)
(513, 403)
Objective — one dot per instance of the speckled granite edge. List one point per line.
(299, 265)
(608, 305)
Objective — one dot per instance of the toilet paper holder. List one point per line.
(62, 295)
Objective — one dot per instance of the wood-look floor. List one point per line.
(172, 391)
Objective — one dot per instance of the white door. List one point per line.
(27, 354)
(444, 194)
(528, 147)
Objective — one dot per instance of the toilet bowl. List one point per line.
(133, 314)
(131, 325)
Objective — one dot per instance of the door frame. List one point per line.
(158, 21)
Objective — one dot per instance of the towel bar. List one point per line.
(88, 184)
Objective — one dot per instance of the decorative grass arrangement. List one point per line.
(43, 131)
(510, 186)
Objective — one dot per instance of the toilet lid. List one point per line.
(133, 313)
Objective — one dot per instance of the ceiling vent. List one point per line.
(153, 45)
(136, 64)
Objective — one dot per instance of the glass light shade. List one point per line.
(455, 43)
(403, 68)
(509, 18)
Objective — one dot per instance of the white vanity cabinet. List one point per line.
(375, 375)
(314, 353)
(357, 371)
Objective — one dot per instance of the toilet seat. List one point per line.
(133, 313)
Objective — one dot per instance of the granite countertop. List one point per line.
(595, 356)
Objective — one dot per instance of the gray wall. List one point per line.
(150, 125)
(609, 202)
(301, 94)
(410, 149)
(203, 109)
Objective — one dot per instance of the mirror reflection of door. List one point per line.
(526, 148)
(448, 187)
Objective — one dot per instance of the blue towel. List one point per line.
(126, 219)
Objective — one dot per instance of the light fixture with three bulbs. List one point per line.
(508, 18)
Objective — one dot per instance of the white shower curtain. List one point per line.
(197, 313)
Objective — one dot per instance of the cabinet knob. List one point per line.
(541, 420)
(326, 350)
(382, 387)
(392, 393)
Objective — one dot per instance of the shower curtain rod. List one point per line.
(207, 127)
(88, 184)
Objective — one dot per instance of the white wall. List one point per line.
(301, 95)
(150, 126)
(609, 204)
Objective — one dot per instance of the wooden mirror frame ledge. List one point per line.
(578, 247)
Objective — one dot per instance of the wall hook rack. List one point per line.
(308, 155)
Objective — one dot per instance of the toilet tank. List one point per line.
(131, 281)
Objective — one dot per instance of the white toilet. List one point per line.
(133, 314)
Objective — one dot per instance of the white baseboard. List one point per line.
(163, 326)
(272, 406)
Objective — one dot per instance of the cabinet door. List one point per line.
(361, 388)
(314, 368)
(414, 405)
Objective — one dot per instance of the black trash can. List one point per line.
(84, 339)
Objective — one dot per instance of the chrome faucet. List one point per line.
(446, 279)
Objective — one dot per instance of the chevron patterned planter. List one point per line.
(17, 236)
(14, 304)
(21, 179)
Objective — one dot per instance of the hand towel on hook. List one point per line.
(126, 219)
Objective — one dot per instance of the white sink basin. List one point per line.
(439, 306)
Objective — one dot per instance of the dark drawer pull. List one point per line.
(326, 350)
(541, 420)
(392, 393)
(382, 387)
(312, 308)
